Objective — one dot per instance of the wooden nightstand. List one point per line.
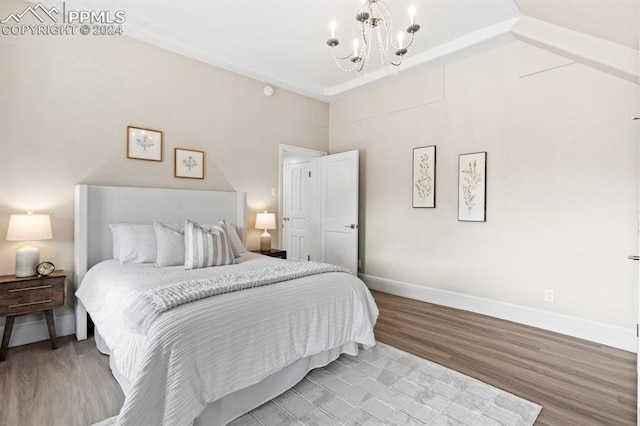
(282, 254)
(20, 296)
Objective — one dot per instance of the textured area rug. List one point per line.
(386, 386)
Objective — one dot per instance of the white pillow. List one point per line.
(206, 248)
(133, 243)
(236, 242)
(169, 245)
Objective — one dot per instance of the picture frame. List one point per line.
(472, 187)
(144, 144)
(424, 177)
(188, 163)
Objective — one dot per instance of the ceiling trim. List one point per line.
(465, 46)
(606, 56)
(136, 29)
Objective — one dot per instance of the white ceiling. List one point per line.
(283, 42)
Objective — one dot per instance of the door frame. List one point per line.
(285, 150)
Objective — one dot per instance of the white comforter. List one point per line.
(199, 352)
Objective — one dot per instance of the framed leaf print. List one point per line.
(144, 144)
(472, 187)
(189, 163)
(424, 177)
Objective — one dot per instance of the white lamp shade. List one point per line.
(266, 221)
(29, 227)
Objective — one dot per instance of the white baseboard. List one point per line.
(36, 330)
(605, 334)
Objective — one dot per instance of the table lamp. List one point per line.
(28, 227)
(265, 221)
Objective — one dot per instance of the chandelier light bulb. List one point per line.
(412, 13)
(356, 43)
(400, 39)
(332, 27)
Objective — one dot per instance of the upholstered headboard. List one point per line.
(98, 206)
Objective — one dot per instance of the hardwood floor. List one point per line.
(576, 382)
(71, 386)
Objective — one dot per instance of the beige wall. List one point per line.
(562, 197)
(66, 103)
(562, 159)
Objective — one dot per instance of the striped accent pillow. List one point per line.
(206, 248)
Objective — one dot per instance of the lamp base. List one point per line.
(265, 241)
(27, 259)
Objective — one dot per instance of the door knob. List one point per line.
(352, 226)
(635, 118)
(630, 257)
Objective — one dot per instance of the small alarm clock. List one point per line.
(45, 268)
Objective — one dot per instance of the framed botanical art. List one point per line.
(424, 177)
(189, 163)
(472, 187)
(144, 144)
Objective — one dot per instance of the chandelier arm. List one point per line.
(410, 41)
(366, 40)
(380, 4)
(388, 39)
(333, 52)
(387, 22)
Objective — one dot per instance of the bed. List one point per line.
(209, 361)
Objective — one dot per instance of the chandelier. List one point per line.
(375, 22)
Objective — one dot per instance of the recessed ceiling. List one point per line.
(283, 42)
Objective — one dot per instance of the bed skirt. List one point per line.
(236, 404)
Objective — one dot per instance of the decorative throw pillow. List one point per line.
(206, 248)
(236, 242)
(133, 243)
(170, 245)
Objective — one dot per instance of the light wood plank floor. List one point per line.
(71, 386)
(576, 382)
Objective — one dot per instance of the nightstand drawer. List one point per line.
(22, 297)
(30, 287)
(32, 303)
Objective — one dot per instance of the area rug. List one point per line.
(386, 386)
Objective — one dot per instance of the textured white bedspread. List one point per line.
(199, 352)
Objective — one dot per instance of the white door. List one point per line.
(297, 194)
(339, 210)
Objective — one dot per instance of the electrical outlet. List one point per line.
(274, 191)
(359, 263)
(549, 295)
